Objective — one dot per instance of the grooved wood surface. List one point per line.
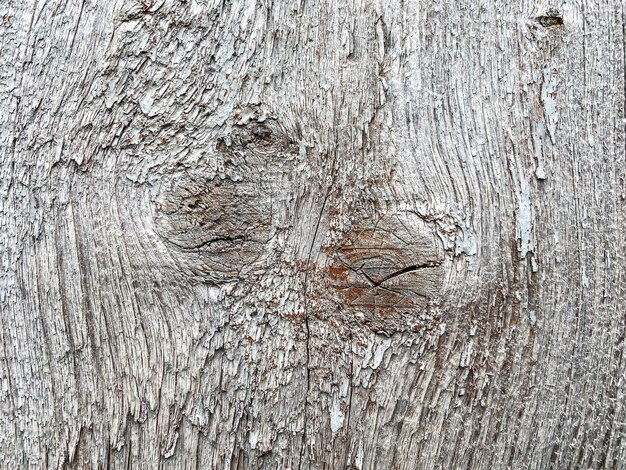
(366, 234)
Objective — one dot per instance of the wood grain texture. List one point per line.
(340, 234)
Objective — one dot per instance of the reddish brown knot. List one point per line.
(392, 268)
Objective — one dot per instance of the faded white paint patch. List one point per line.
(465, 241)
(524, 222)
(539, 133)
(253, 439)
(336, 417)
(548, 97)
(358, 463)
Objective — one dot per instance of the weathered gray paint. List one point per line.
(365, 234)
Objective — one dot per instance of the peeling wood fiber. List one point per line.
(261, 234)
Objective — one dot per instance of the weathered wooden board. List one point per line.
(287, 234)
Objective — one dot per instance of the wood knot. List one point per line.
(551, 18)
(390, 270)
(218, 215)
(222, 221)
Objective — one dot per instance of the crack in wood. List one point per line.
(397, 273)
